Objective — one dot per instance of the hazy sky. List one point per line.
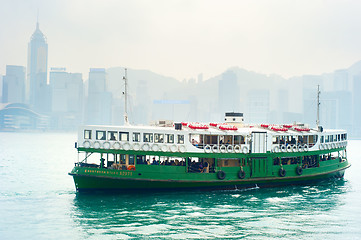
(184, 38)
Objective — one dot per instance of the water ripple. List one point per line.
(39, 196)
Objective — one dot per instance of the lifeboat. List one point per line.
(184, 124)
(265, 125)
(287, 126)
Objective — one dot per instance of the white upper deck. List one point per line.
(196, 137)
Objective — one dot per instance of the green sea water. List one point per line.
(38, 201)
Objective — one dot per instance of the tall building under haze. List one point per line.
(14, 84)
(66, 98)
(37, 91)
(228, 93)
(99, 104)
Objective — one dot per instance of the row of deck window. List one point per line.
(311, 139)
(334, 138)
(136, 136)
(201, 140)
(307, 139)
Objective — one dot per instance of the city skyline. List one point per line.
(185, 38)
(64, 99)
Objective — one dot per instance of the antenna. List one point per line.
(37, 19)
(318, 107)
(126, 121)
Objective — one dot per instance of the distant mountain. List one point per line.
(156, 84)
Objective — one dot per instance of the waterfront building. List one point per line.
(340, 80)
(37, 90)
(13, 87)
(336, 109)
(99, 103)
(309, 95)
(114, 84)
(258, 106)
(282, 100)
(356, 105)
(1, 87)
(142, 104)
(66, 98)
(19, 116)
(228, 93)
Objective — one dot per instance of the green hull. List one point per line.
(155, 177)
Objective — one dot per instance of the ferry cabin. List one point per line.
(211, 153)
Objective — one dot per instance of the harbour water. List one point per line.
(38, 201)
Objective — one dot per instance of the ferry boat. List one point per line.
(188, 155)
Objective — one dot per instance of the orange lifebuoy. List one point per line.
(131, 167)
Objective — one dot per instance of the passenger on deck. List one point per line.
(200, 167)
(194, 143)
(102, 162)
(206, 167)
(112, 137)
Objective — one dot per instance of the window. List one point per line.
(169, 138)
(148, 137)
(228, 162)
(322, 139)
(180, 139)
(87, 134)
(136, 137)
(112, 135)
(158, 138)
(100, 135)
(239, 139)
(312, 139)
(131, 160)
(122, 159)
(124, 136)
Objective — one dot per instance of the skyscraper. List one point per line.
(258, 106)
(356, 105)
(14, 84)
(340, 80)
(228, 93)
(66, 98)
(99, 104)
(37, 91)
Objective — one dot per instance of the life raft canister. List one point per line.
(131, 168)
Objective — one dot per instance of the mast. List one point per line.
(318, 107)
(126, 122)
